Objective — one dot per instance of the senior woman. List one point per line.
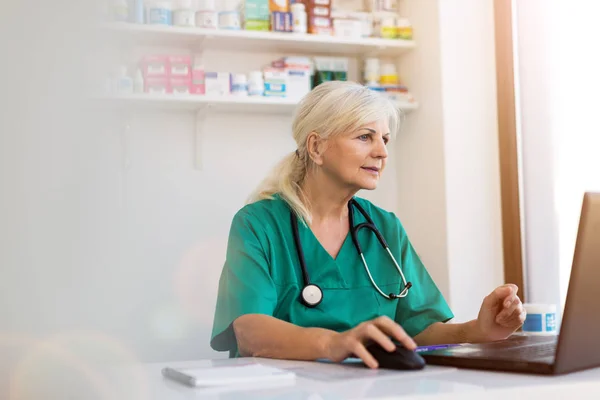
(314, 272)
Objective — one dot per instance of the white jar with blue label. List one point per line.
(239, 85)
(230, 20)
(159, 12)
(541, 319)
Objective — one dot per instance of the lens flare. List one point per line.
(78, 362)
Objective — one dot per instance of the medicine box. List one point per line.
(155, 66)
(180, 85)
(217, 83)
(279, 5)
(156, 85)
(180, 66)
(276, 80)
(320, 25)
(257, 10)
(256, 25)
(198, 82)
(297, 79)
(281, 21)
(347, 28)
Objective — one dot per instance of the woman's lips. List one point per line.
(373, 170)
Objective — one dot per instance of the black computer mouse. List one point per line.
(401, 358)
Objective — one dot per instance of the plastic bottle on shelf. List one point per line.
(256, 84)
(404, 29)
(138, 12)
(299, 17)
(138, 82)
(389, 76)
(340, 69)
(371, 71)
(239, 85)
(123, 83)
(207, 16)
(184, 14)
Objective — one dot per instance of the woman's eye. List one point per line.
(363, 137)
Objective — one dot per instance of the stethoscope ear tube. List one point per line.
(372, 228)
(369, 225)
(294, 221)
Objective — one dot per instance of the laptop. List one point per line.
(577, 347)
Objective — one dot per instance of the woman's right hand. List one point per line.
(353, 342)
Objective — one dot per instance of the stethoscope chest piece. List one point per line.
(312, 295)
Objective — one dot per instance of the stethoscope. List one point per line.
(312, 295)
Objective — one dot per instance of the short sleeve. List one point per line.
(245, 284)
(424, 304)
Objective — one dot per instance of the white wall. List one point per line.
(420, 157)
(474, 229)
(449, 193)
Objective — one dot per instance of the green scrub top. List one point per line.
(262, 275)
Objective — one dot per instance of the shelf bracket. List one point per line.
(199, 48)
(198, 136)
(125, 138)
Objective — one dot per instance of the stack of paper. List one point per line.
(229, 375)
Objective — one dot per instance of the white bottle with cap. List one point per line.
(299, 17)
(138, 82)
(256, 84)
(372, 71)
(124, 83)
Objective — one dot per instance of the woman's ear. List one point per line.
(315, 147)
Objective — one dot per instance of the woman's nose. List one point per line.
(380, 150)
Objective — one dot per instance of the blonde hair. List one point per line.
(330, 109)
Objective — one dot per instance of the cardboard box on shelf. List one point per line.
(256, 25)
(279, 5)
(257, 10)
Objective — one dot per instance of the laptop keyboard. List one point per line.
(516, 348)
(524, 353)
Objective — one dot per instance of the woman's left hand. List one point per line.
(501, 314)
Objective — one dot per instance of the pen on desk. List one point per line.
(178, 376)
(436, 347)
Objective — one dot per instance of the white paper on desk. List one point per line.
(230, 375)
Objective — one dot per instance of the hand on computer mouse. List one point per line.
(401, 358)
(381, 330)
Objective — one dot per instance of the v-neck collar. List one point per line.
(322, 248)
(342, 253)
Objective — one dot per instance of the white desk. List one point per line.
(353, 381)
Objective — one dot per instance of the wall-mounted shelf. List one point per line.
(254, 41)
(270, 105)
(203, 105)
